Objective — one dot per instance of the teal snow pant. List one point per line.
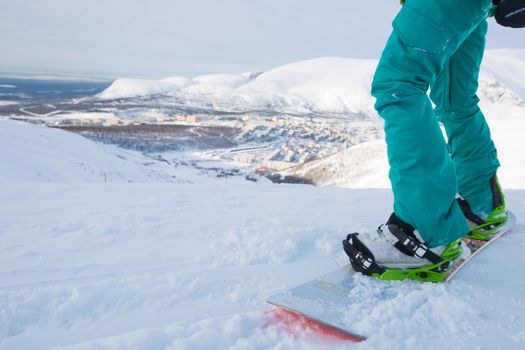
(437, 45)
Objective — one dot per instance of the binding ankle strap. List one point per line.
(469, 214)
(413, 245)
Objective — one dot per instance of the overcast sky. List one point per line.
(158, 38)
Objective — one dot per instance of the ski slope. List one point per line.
(118, 265)
(159, 266)
(102, 248)
(34, 153)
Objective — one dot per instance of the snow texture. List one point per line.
(88, 265)
(34, 153)
(100, 249)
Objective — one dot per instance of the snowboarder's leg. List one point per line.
(472, 150)
(426, 34)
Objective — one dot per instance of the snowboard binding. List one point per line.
(364, 261)
(484, 228)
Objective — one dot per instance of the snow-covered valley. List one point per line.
(289, 118)
(103, 247)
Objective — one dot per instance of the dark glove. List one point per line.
(510, 13)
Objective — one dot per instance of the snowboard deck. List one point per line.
(328, 300)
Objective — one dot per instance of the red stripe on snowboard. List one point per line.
(293, 320)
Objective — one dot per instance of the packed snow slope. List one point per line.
(159, 266)
(86, 264)
(330, 85)
(34, 153)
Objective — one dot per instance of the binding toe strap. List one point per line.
(361, 257)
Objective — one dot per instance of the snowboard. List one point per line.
(332, 300)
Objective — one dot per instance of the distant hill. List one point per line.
(322, 86)
(34, 153)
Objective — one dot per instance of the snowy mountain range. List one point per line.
(331, 86)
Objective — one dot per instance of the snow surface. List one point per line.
(35, 153)
(189, 267)
(103, 248)
(92, 265)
